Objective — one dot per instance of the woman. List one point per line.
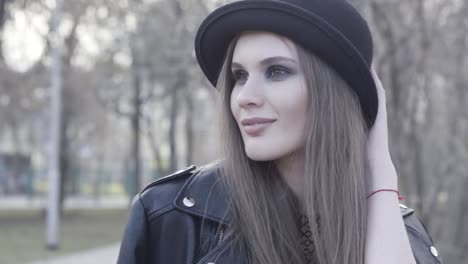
(306, 175)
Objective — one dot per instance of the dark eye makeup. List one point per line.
(239, 76)
(277, 72)
(273, 73)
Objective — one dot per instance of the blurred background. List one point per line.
(136, 107)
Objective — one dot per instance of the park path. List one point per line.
(106, 254)
(21, 202)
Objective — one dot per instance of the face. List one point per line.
(269, 99)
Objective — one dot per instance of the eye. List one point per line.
(277, 72)
(239, 76)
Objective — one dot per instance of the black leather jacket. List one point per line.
(166, 223)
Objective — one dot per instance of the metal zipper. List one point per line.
(221, 236)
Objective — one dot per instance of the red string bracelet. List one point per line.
(400, 198)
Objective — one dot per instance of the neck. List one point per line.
(291, 169)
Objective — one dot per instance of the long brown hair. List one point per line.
(265, 224)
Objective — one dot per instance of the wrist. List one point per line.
(395, 191)
(387, 183)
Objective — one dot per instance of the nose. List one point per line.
(250, 94)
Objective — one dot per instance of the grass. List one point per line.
(22, 233)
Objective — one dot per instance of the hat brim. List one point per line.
(303, 27)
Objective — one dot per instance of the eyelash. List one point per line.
(237, 75)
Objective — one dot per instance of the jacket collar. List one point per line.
(204, 195)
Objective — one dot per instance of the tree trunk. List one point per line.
(64, 152)
(153, 144)
(135, 125)
(189, 133)
(173, 128)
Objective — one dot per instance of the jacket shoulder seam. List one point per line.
(174, 175)
(155, 205)
(160, 212)
(140, 200)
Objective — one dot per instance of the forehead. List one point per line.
(257, 45)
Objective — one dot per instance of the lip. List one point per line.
(254, 126)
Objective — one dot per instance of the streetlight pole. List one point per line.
(53, 210)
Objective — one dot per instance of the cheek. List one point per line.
(301, 106)
(294, 110)
(301, 98)
(294, 102)
(234, 107)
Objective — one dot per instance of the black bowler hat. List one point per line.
(331, 29)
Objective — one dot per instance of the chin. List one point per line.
(261, 154)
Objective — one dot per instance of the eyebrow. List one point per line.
(266, 61)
